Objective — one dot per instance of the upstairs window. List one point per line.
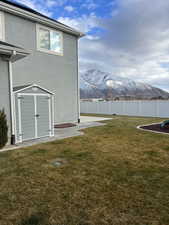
(2, 30)
(49, 40)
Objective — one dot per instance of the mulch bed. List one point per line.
(65, 125)
(156, 127)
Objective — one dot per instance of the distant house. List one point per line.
(40, 56)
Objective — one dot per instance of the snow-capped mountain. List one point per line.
(98, 84)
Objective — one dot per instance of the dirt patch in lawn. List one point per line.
(156, 127)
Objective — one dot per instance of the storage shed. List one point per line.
(34, 112)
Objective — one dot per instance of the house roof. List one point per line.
(12, 52)
(61, 26)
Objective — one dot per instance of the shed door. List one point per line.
(43, 116)
(27, 117)
(35, 116)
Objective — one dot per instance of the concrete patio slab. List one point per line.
(60, 133)
(85, 119)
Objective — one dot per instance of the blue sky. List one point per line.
(72, 8)
(128, 38)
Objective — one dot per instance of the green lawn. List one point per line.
(113, 175)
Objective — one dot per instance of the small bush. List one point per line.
(3, 129)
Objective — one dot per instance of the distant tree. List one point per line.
(158, 98)
(3, 129)
(116, 99)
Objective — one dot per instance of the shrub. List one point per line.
(3, 129)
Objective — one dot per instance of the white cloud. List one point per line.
(89, 4)
(69, 8)
(92, 6)
(51, 3)
(92, 37)
(84, 23)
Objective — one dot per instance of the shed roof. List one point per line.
(24, 87)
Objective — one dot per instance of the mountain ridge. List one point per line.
(98, 84)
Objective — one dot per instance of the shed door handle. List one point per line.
(37, 115)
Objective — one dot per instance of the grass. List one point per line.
(113, 175)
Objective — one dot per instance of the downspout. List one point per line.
(11, 98)
(78, 81)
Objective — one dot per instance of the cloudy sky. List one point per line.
(128, 38)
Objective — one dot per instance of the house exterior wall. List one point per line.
(4, 92)
(56, 73)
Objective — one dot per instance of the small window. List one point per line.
(49, 40)
(2, 31)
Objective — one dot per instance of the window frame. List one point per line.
(2, 28)
(38, 27)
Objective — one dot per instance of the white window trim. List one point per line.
(38, 26)
(3, 26)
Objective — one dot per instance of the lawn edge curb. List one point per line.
(157, 132)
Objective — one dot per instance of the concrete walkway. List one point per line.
(60, 133)
(85, 119)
